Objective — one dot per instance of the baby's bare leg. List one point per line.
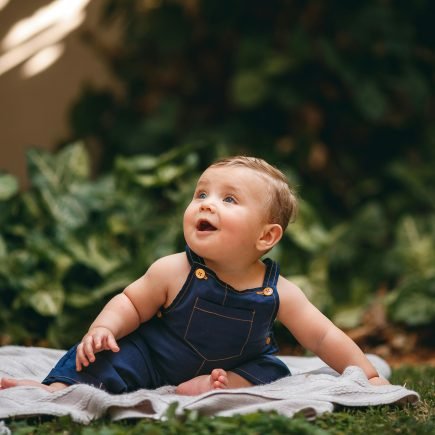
(10, 383)
(217, 379)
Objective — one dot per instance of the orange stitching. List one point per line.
(249, 334)
(200, 367)
(179, 295)
(190, 319)
(225, 296)
(222, 315)
(217, 359)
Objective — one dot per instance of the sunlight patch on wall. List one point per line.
(3, 3)
(36, 38)
(43, 60)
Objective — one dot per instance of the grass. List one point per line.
(410, 419)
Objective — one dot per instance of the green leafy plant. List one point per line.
(70, 242)
(413, 300)
(338, 95)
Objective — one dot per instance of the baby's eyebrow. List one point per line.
(227, 188)
(203, 180)
(231, 188)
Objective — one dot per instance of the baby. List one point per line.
(202, 319)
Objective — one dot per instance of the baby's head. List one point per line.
(239, 211)
(282, 204)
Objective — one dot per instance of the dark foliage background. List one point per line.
(338, 94)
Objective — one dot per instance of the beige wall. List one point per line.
(34, 110)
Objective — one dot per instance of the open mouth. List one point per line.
(204, 225)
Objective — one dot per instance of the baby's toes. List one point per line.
(217, 373)
(223, 379)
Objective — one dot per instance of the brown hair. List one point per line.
(283, 204)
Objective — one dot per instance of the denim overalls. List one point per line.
(208, 325)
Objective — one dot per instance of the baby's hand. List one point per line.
(96, 340)
(377, 380)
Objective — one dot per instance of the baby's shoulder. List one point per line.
(171, 273)
(170, 264)
(288, 290)
(286, 285)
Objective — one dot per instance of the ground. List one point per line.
(398, 344)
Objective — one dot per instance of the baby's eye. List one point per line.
(229, 199)
(201, 195)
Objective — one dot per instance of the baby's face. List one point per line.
(227, 213)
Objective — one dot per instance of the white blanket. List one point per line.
(312, 389)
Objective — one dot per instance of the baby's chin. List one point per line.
(203, 248)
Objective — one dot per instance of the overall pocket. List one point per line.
(217, 332)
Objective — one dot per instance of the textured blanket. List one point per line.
(313, 389)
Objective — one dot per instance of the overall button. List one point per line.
(268, 340)
(200, 274)
(268, 291)
(159, 314)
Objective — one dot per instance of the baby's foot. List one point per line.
(217, 379)
(10, 383)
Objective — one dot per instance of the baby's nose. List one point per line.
(207, 206)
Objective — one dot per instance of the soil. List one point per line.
(398, 345)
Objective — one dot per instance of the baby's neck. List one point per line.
(239, 278)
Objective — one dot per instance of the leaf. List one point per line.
(97, 195)
(32, 207)
(332, 58)
(3, 247)
(66, 209)
(276, 65)
(42, 169)
(413, 302)
(370, 100)
(248, 89)
(171, 411)
(72, 163)
(147, 171)
(314, 284)
(112, 285)
(348, 317)
(58, 171)
(367, 229)
(17, 266)
(95, 253)
(42, 292)
(419, 186)
(414, 251)
(415, 84)
(48, 302)
(308, 232)
(49, 252)
(137, 163)
(8, 186)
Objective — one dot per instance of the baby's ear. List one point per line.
(270, 236)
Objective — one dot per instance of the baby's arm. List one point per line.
(125, 312)
(317, 333)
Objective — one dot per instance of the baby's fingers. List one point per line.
(98, 343)
(85, 353)
(378, 381)
(112, 344)
(81, 360)
(88, 348)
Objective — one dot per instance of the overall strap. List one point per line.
(192, 257)
(272, 273)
